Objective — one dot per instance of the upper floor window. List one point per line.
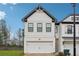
(30, 27)
(48, 27)
(69, 29)
(56, 29)
(39, 27)
(76, 18)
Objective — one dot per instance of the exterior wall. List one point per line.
(63, 30)
(69, 19)
(60, 38)
(69, 45)
(57, 40)
(39, 42)
(77, 48)
(67, 39)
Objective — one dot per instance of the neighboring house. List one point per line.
(66, 34)
(39, 32)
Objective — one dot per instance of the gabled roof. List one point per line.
(34, 10)
(68, 16)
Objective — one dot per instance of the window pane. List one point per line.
(76, 18)
(39, 27)
(69, 29)
(48, 27)
(56, 29)
(30, 24)
(30, 27)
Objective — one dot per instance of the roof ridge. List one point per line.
(44, 10)
(68, 16)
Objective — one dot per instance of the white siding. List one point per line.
(45, 37)
(69, 19)
(68, 38)
(39, 17)
(68, 45)
(77, 49)
(63, 30)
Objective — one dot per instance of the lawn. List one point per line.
(11, 52)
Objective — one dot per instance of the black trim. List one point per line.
(69, 22)
(67, 38)
(34, 10)
(28, 15)
(57, 23)
(53, 18)
(39, 41)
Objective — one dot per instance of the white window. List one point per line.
(30, 27)
(76, 18)
(56, 29)
(39, 27)
(48, 27)
(69, 29)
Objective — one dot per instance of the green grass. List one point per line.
(11, 52)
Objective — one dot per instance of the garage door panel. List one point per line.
(39, 47)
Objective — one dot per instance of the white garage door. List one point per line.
(39, 47)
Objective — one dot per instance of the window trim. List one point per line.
(31, 27)
(69, 30)
(48, 27)
(40, 27)
(76, 18)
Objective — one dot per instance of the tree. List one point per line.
(1, 39)
(20, 36)
(4, 32)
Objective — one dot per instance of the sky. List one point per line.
(14, 12)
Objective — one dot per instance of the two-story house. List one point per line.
(39, 32)
(43, 35)
(66, 34)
